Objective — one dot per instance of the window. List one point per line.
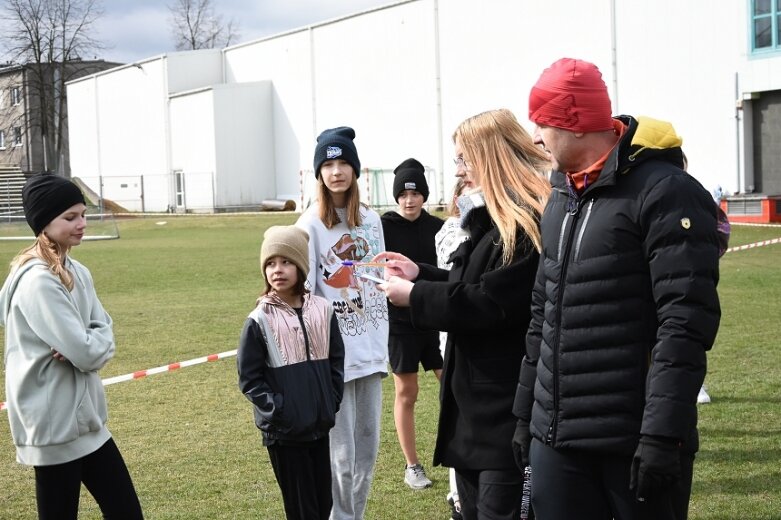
(16, 96)
(17, 136)
(765, 25)
(2, 139)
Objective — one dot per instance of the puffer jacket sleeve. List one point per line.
(678, 220)
(251, 364)
(524, 395)
(53, 317)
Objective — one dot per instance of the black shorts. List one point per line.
(406, 351)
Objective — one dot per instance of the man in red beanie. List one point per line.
(624, 308)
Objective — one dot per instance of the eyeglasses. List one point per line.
(459, 161)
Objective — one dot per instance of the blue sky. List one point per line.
(137, 29)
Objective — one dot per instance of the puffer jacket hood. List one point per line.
(645, 139)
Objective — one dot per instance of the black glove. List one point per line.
(522, 438)
(656, 466)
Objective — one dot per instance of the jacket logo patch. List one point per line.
(686, 223)
(333, 151)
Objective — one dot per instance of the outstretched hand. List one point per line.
(398, 265)
(397, 290)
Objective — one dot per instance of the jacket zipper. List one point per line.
(550, 438)
(306, 336)
(583, 230)
(561, 235)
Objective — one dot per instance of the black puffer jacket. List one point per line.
(625, 302)
(484, 307)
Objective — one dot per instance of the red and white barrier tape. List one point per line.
(214, 357)
(158, 370)
(755, 244)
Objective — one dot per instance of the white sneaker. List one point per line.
(415, 477)
(703, 397)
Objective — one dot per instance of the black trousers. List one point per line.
(303, 473)
(105, 476)
(570, 484)
(490, 494)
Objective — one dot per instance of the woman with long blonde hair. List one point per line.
(483, 303)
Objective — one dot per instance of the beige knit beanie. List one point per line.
(289, 241)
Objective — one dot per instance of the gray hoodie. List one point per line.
(57, 409)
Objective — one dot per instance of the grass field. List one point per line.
(182, 289)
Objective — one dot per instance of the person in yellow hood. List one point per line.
(623, 311)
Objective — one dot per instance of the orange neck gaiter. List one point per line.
(585, 178)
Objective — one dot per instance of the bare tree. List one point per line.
(196, 25)
(48, 38)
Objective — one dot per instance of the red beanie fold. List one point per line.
(571, 94)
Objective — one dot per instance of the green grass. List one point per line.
(182, 290)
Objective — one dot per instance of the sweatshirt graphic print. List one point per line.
(360, 308)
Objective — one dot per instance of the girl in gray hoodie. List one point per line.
(57, 337)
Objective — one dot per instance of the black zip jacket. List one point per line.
(624, 305)
(484, 307)
(295, 394)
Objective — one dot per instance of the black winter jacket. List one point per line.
(415, 240)
(291, 367)
(484, 307)
(625, 302)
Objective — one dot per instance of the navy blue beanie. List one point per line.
(410, 175)
(337, 143)
(46, 196)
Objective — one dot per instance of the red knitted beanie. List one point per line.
(571, 94)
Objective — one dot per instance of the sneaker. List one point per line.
(703, 397)
(415, 477)
(455, 507)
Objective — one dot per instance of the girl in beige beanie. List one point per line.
(291, 367)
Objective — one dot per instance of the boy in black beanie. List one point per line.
(410, 230)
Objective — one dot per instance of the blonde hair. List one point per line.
(510, 170)
(328, 214)
(52, 255)
(458, 189)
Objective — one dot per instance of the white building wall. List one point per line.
(189, 70)
(244, 144)
(406, 75)
(285, 61)
(677, 62)
(761, 74)
(128, 138)
(193, 152)
(83, 128)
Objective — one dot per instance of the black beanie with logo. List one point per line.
(337, 143)
(410, 175)
(45, 196)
